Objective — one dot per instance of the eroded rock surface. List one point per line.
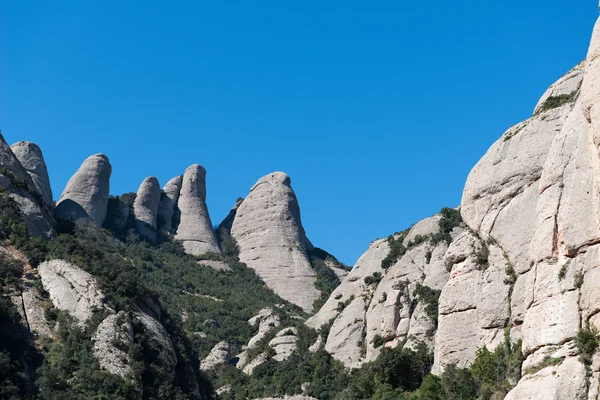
(272, 241)
(195, 229)
(219, 355)
(168, 204)
(16, 180)
(71, 289)
(31, 158)
(145, 208)
(112, 341)
(86, 193)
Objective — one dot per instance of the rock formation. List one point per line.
(168, 204)
(30, 156)
(284, 343)
(272, 241)
(21, 188)
(195, 229)
(145, 208)
(373, 302)
(523, 267)
(219, 355)
(71, 289)
(86, 193)
(112, 340)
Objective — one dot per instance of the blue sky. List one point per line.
(377, 110)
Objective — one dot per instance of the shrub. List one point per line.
(557, 101)
(397, 250)
(378, 341)
(431, 299)
(587, 343)
(578, 279)
(373, 279)
(482, 255)
(562, 273)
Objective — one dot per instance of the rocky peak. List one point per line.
(86, 193)
(145, 208)
(168, 204)
(272, 241)
(16, 180)
(31, 158)
(195, 228)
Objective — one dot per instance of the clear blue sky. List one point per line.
(377, 110)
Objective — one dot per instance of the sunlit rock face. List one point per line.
(271, 239)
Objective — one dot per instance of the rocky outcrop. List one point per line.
(284, 344)
(219, 355)
(266, 321)
(86, 193)
(71, 289)
(112, 341)
(145, 208)
(195, 229)
(376, 307)
(21, 188)
(30, 156)
(168, 204)
(272, 241)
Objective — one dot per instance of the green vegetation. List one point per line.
(546, 362)
(509, 270)
(13, 229)
(431, 298)
(587, 343)
(562, 273)
(397, 250)
(373, 279)
(578, 279)
(327, 280)
(558, 101)
(378, 341)
(482, 255)
(449, 220)
(491, 375)
(343, 304)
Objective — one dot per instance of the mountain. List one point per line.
(140, 296)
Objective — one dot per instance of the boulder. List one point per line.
(86, 193)
(31, 158)
(168, 204)
(272, 241)
(145, 208)
(195, 229)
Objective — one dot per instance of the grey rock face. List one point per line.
(219, 355)
(71, 289)
(284, 343)
(168, 204)
(31, 158)
(86, 193)
(272, 241)
(112, 339)
(15, 179)
(365, 308)
(195, 229)
(145, 208)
